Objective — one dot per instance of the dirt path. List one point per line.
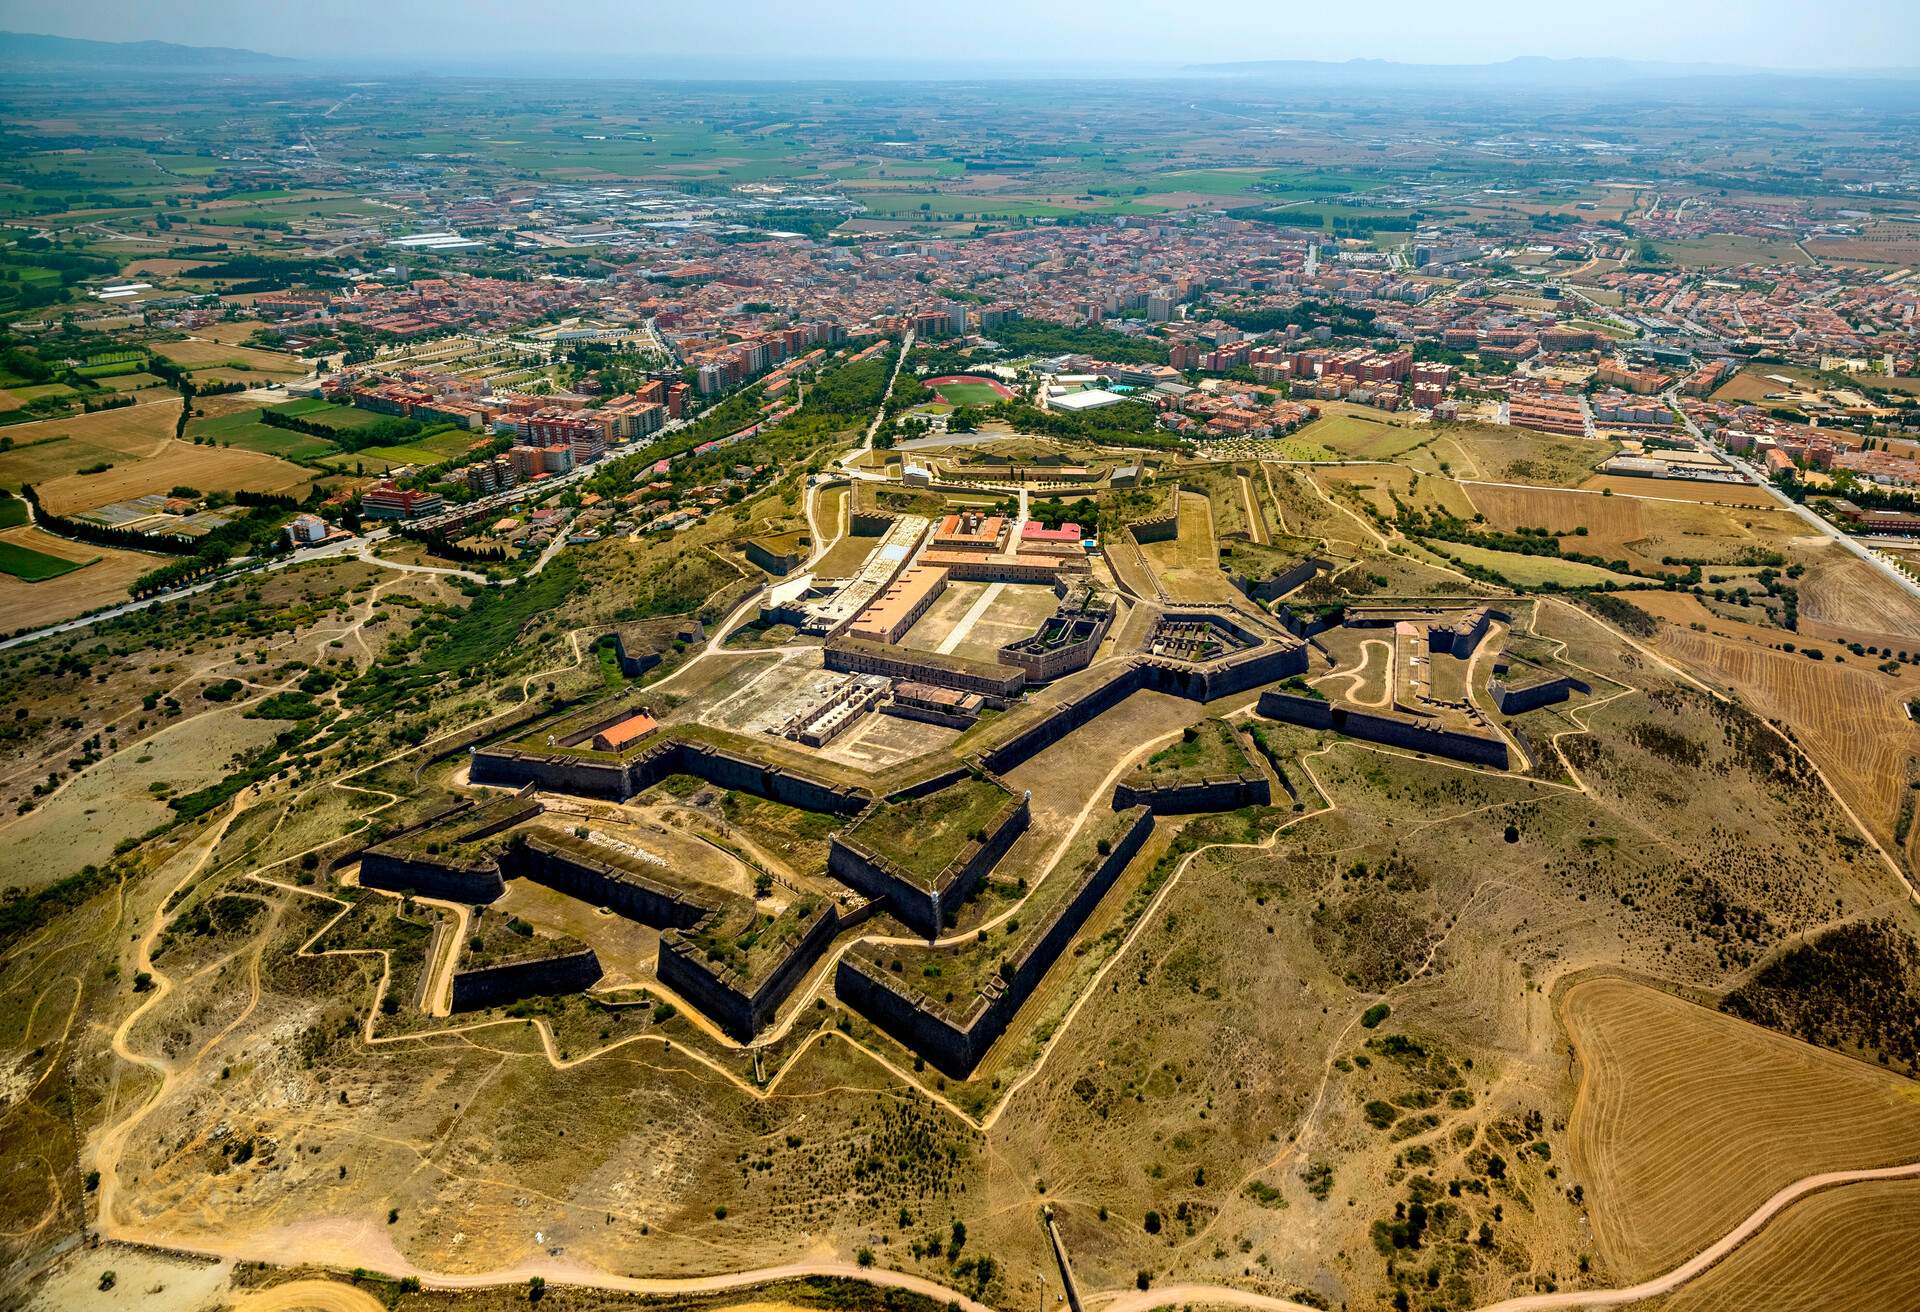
(1226, 1296)
(113, 1143)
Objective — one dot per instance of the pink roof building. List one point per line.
(1034, 531)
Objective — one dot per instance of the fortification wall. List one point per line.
(1309, 624)
(604, 884)
(1410, 734)
(429, 876)
(857, 656)
(510, 767)
(1512, 701)
(723, 996)
(728, 770)
(927, 714)
(1063, 719)
(955, 1042)
(1279, 585)
(924, 904)
(619, 780)
(1225, 794)
(875, 994)
(1161, 528)
(498, 986)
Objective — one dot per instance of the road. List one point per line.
(1759, 479)
(1846, 540)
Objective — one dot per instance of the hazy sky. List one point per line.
(1771, 33)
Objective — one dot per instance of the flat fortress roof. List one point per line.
(901, 597)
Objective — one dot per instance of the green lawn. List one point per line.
(34, 566)
(429, 450)
(316, 411)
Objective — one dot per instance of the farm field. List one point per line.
(1841, 590)
(239, 425)
(100, 578)
(1848, 1249)
(1642, 530)
(327, 413)
(1686, 1120)
(1724, 250)
(210, 469)
(1680, 489)
(1851, 718)
(30, 566)
(428, 450)
(240, 360)
(50, 448)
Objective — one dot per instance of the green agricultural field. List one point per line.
(13, 511)
(34, 566)
(429, 450)
(327, 414)
(244, 430)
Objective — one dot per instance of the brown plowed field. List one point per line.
(1851, 718)
(1686, 1120)
(1851, 1249)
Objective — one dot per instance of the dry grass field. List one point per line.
(50, 448)
(1356, 433)
(174, 464)
(1379, 485)
(1850, 1249)
(1686, 1120)
(1680, 489)
(1842, 590)
(26, 605)
(1187, 565)
(198, 355)
(1304, 510)
(1639, 529)
(1850, 717)
(1520, 455)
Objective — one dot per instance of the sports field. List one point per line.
(968, 389)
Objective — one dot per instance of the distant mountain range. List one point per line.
(20, 50)
(1525, 72)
